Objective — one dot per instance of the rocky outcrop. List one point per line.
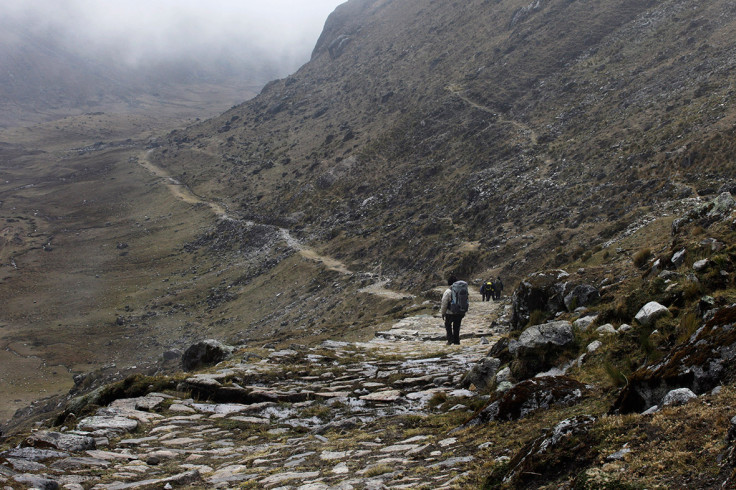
(206, 353)
(543, 291)
(540, 347)
(707, 213)
(705, 361)
(533, 394)
(562, 450)
(549, 293)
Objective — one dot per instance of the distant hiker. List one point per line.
(453, 308)
(497, 288)
(486, 290)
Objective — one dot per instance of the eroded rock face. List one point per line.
(206, 353)
(705, 361)
(531, 395)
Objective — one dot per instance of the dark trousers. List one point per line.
(452, 326)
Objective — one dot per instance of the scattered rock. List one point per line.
(650, 312)
(700, 364)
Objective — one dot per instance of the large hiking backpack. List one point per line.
(459, 303)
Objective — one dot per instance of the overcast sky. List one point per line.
(136, 31)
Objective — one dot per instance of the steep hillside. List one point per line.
(503, 135)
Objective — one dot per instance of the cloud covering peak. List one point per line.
(135, 32)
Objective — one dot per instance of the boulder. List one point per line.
(700, 364)
(542, 291)
(205, 353)
(701, 265)
(680, 396)
(581, 295)
(606, 329)
(500, 350)
(650, 312)
(678, 258)
(482, 374)
(539, 348)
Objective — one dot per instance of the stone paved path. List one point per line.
(330, 417)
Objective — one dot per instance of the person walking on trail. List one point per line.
(486, 290)
(453, 308)
(497, 288)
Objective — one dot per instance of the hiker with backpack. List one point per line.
(486, 290)
(497, 288)
(453, 308)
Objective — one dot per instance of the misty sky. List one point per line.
(141, 31)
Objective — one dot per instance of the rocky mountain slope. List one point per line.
(580, 150)
(514, 128)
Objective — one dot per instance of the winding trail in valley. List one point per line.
(182, 192)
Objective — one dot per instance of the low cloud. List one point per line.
(143, 32)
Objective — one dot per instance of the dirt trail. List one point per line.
(179, 190)
(185, 194)
(523, 128)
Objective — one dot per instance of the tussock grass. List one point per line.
(641, 257)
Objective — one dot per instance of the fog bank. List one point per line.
(136, 33)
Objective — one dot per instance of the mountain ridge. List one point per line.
(361, 116)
